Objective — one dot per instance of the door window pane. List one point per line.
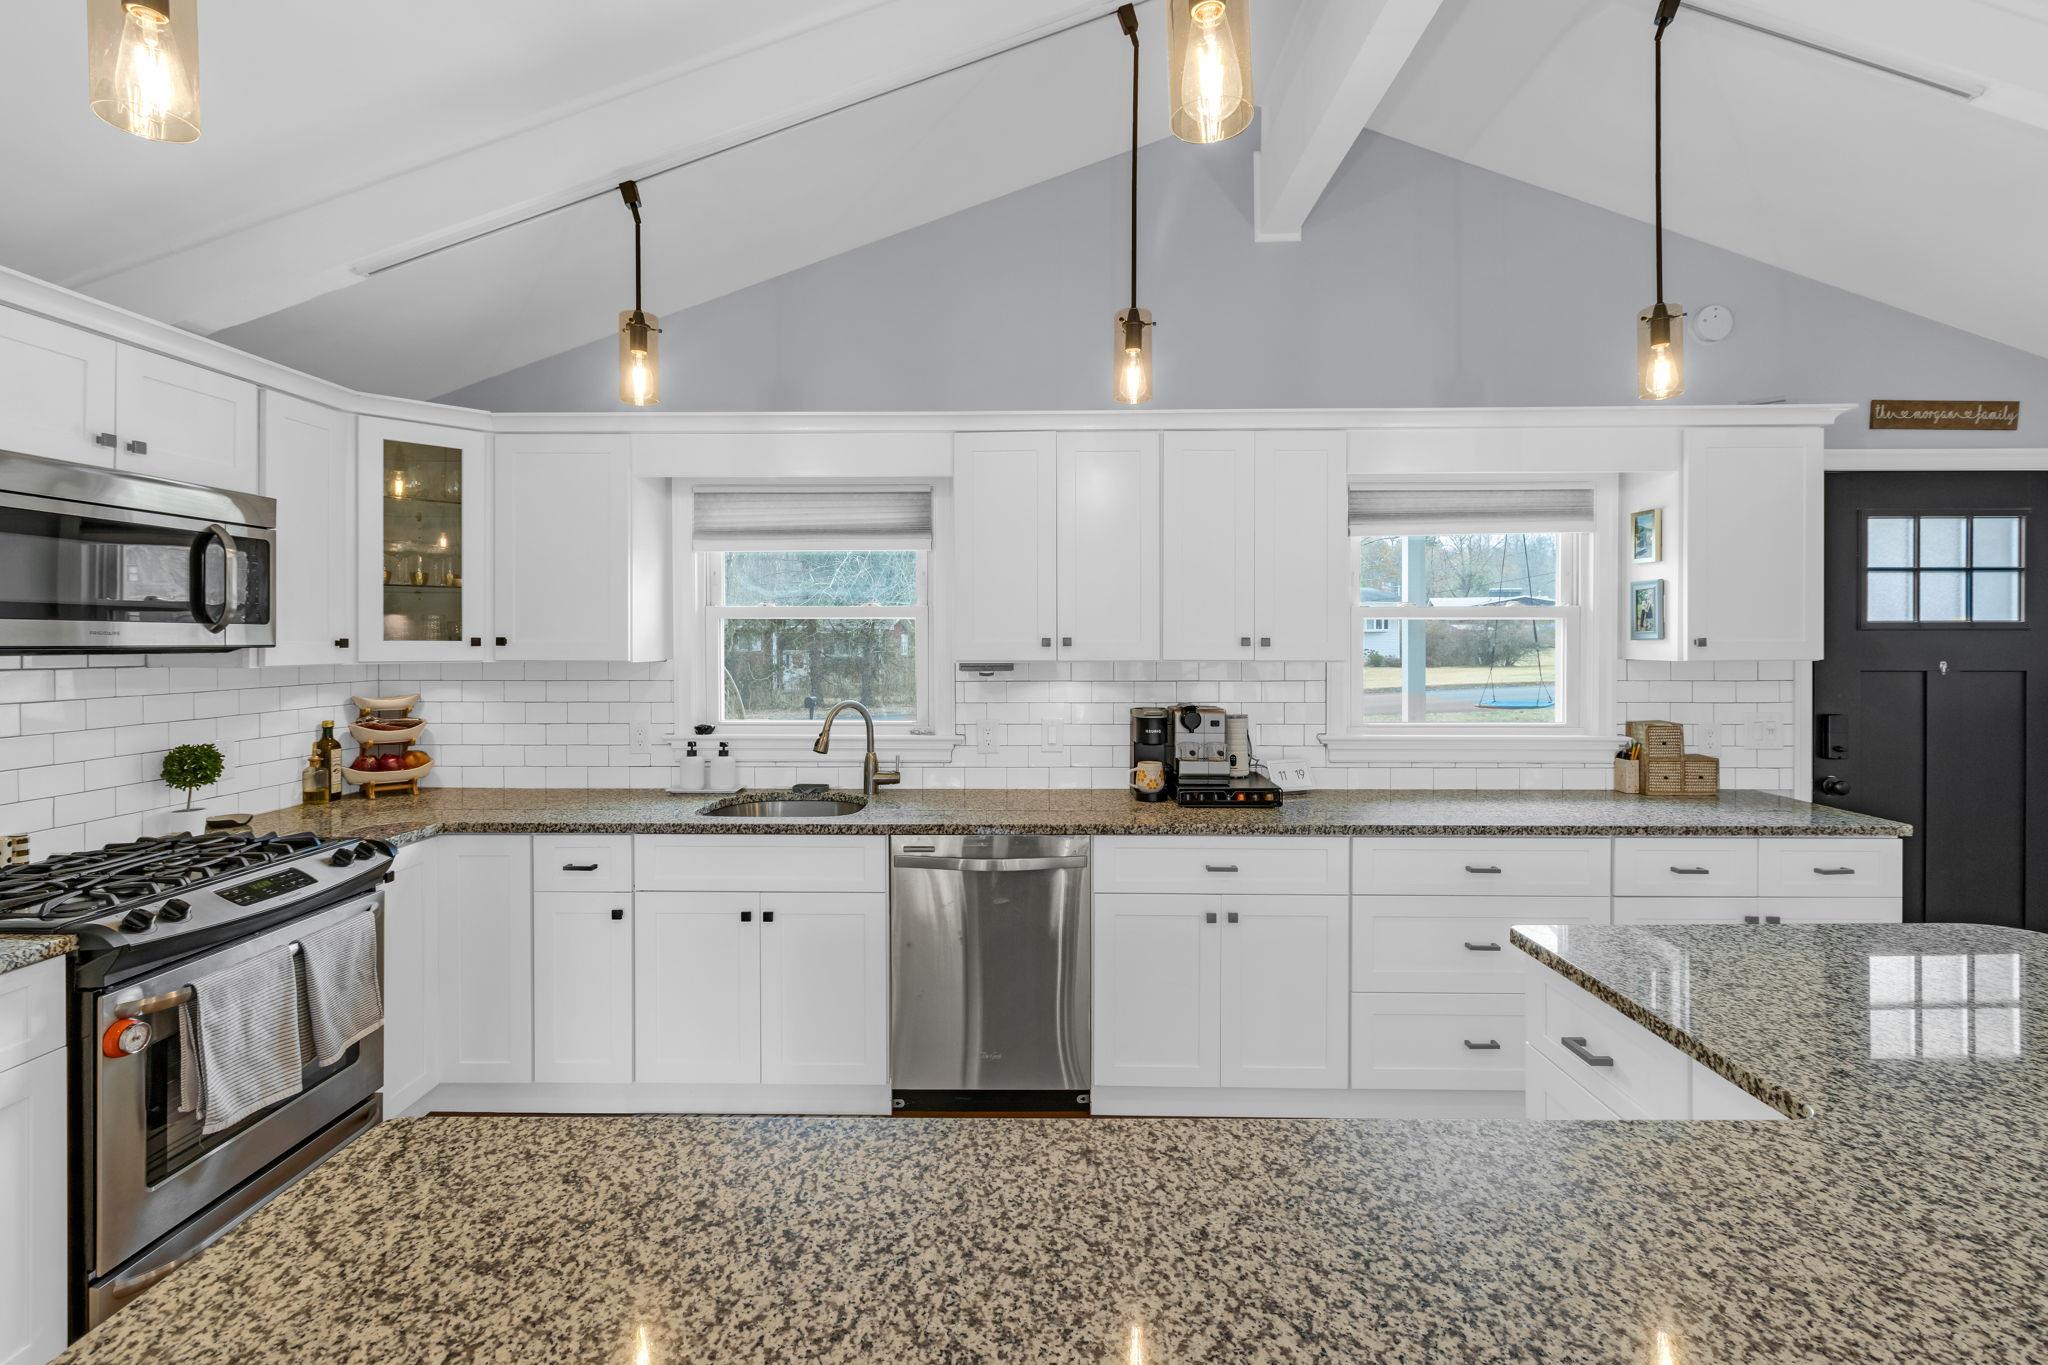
(1996, 543)
(1944, 542)
(1995, 595)
(1944, 569)
(1890, 597)
(1942, 596)
(1889, 543)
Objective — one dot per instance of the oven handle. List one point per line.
(169, 1000)
(219, 533)
(135, 1284)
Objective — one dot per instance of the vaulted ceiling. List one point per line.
(361, 203)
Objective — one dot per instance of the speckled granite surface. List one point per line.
(477, 810)
(26, 950)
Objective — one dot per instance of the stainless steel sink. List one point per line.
(786, 807)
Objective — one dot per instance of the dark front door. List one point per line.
(1932, 703)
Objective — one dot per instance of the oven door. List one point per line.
(81, 576)
(151, 1168)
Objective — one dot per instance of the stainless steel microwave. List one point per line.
(92, 561)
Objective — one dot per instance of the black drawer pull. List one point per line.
(1490, 1045)
(1691, 871)
(767, 917)
(746, 917)
(1482, 947)
(1762, 919)
(579, 867)
(618, 913)
(1209, 917)
(1487, 871)
(1232, 917)
(1834, 872)
(1577, 1047)
(1219, 867)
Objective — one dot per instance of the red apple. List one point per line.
(391, 763)
(365, 763)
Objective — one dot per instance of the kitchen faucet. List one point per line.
(871, 773)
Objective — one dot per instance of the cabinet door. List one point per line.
(423, 536)
(407, 976)
(824, 989)
(697, 987)
(484, 960)
(1304, 582)
(1005, 546)
(178, 421)
(1751, 552)
(1109, 545)
(563, 546)
(33, 1234)
(1156, 1016)
(1206, 589)
(308, 467)
(583, 986)
(56, 390)
(1285, 1000)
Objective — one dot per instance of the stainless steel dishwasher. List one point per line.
(988, 972)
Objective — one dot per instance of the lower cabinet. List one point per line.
(410, 900)
(583, 986)
(697, 987)
(1232, 991)
(1757, 910)
(483, 960)
(33, 1231)
(824, 989)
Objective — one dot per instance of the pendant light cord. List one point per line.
(1127, 16)
(1667, 10)
(630, 192)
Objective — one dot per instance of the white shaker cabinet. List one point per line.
(583, 986)
(1283, 998)
(1005, 576)
(1303, 579)
(423, 542)
(1157, 997)
(1208, 591)
(309, 469)
(483, 927)
(178, 421)
(1750, 545)
(1108, 545)
(410, 991)
(697, 987)
(824, 989)
(56, 390)
(33, 1231)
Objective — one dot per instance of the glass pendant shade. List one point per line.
(1134, 355)
(1209, 44)
(1660, 351)
(144, 66)
(639, 358)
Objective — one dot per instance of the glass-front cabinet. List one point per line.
(425, 527)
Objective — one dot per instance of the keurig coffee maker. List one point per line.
(1151, 773)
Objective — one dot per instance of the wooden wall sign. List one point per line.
(1914, 414)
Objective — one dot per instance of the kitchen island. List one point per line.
(1904, 1221)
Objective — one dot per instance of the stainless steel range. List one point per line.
(148, 1188)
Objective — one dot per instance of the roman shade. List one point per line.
(821, 515)
(1419, 509)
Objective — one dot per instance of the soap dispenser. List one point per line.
(724, 770)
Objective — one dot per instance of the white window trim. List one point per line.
(697, 702)
(1592, 647)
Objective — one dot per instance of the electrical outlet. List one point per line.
(1052, 737)
(641, 740)
(987, 737)
(1708, 739)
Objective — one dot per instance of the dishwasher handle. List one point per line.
(926, 862)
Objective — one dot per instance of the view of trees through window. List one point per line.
(803, 629)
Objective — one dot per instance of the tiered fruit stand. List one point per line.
(386, 727)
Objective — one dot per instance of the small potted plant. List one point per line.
(187, 768)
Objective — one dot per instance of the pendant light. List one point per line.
(1211, 43)
(143, 67)
(639, 330)
(1660, 328)
(1133, 324)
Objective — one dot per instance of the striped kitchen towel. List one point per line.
(238, 1040)
(343, 1000)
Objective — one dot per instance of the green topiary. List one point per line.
(192, 766)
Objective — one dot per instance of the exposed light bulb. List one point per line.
(1212, 90)
(1660, 352)
(144, 80)
(397, 484)
(1663, 377)
(1211, 100)
(1131, 387)
(1133, 356)
(639, 379)
(639, 359)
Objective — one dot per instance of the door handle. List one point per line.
(476, 641)
(1066, 639)
(618, 913)
(342, 643)
(218, 534)
(1577, 1047)
(502, 642)
(767, 917)
(1045, 642)
(1490, 1045)
(1265, 642)
(107, 439)
(746, 917)
(1482, 947)
(987, 864)
(1832, 786)
(1244, 641)
(1208, 917)
(1763, 919)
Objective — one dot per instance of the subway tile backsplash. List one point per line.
(81, 740)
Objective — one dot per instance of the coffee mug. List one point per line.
(1149, 776)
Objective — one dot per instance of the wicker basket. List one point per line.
(1628, 776)
(1659, 738)
(1663, 776)
(1702, 775)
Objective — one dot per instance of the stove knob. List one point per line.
(174, 910)
(342, 856)
(137, 921)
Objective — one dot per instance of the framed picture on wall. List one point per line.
(1646, 536)
(1646, 609)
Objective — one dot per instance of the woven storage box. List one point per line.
(1702, 775)
(1663, 776)
(1628, 776)
(1659, 738)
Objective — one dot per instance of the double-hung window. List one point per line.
(814, 595)
(1468, 608)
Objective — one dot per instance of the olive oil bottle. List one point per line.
(327, 761)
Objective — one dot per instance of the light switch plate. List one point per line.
(1731, 734)
(1052, 737)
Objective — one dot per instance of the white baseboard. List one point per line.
(653, 1099)
(1197, 1102)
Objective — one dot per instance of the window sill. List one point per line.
(794, 746)
(1360, 748)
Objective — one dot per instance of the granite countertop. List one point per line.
(26, 950)
(1907, 1222)
(476, 810)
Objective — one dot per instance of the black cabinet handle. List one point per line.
(1208, 917)
(1482, 947)
(502, 642)
(767, 917)
(1577, 1047)
(1488, 871)
(1232, 917)
(746, 917)
(476, 641)
(1763, 919)
(579, 867)
(1490, 1045)
(1066, 639)
(342, 643)
(1834, 872)
(1045, 642)
(617, 913)
(1244, 641)
(1691, 871)
(106, 438)
(1219, 867)
(138, 447)
(1265, 642)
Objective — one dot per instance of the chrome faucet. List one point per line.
(872, 774)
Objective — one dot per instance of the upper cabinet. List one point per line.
(1748, 549)
(423, 542)
(308, 468)
(67, 394)
(1254, 545)
(582, 551)
(1109, 545)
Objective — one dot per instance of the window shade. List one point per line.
(740, 518)
(1400, 510)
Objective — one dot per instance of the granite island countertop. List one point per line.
(478, 810)
(1907, 1221)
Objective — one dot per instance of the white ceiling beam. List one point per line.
(1341, 58)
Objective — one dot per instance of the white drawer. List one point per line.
(1263, 866)
(1548, 1093)
(583, 862)
(31, 1012)
(1685, 867)
(1643, 1076)
(1450, 943)
(1756, 909)
(1436, 1042)
(1844, 868)
(1480, 867)
(761, 862)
